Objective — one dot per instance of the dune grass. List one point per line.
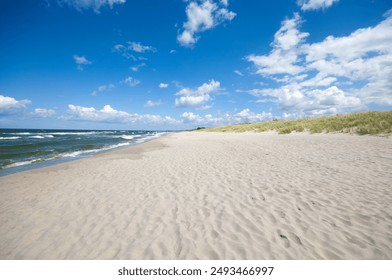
(374, 123)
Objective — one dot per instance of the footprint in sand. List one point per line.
(295, 238)
(284, 238)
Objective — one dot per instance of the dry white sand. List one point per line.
(207, 196)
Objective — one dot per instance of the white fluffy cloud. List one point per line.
(163, 85)
(283, 59)
(44, 113)
(225, 2)
(96, 5)
(10, 104)
(363, 57)
(315, 4)
(310, 102)
(201, 16)
(132, 82)
(197, 97)
(110, 115)
(245, 116)
(191, 117)
(376, 40)
(80, 61)
(191, 100)
(336, 75)
(106, 114)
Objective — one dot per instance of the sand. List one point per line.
(194, 195)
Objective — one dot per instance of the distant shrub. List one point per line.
(373, 122)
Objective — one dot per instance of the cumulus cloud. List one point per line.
(95, 5)
(191, 117)
(110, 115)
(247, 116)
(363, 57)
(244, 116)
(132, 82)
(225, 2)
(307, 5)
(106, 114)
(336, 75)
(151, 103)
(44, 113)
(199, 96)
(283, 59)
(310, 102)
(80, 61)
(163, 85)
(191, 100)
(320, 80)
(203, 15)
(9, 105)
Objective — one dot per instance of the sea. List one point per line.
(23, 149)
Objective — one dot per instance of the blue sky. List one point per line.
(178, 64)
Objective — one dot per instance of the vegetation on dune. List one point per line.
(374, 123)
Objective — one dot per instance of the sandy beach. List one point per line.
(197, 195)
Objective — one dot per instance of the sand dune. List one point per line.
(197, 195)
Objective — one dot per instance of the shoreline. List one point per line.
(197, 195)
(63, 160)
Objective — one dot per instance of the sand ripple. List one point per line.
(207, 196)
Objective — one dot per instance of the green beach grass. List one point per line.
(374, 123)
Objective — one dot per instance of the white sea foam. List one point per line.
(75, 133)
(148, 137)
(127, 137)
(10, 138)
(93, 151)
(154, 135)
(27, 162)
(78, 153)
(133, 136)
(117, 146)
(21, 133)
(136, 137)
(20, 163)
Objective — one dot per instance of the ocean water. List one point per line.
(23, 149)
